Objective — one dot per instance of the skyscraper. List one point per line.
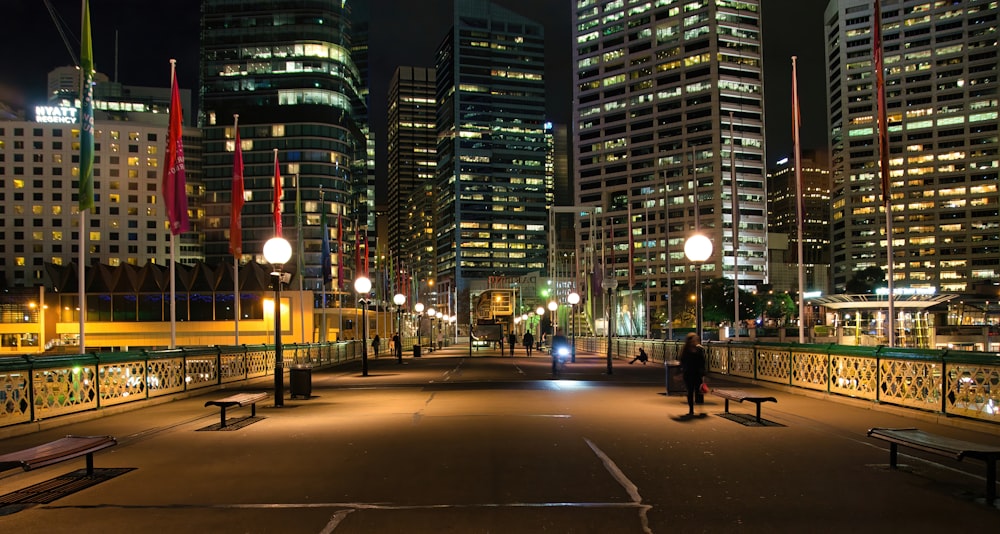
(285, 67)
(941, 89)
(493, 193)
(667, 96)
(412, 147)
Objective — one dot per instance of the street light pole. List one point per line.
(698, 249)
(574, 299)
(277, 252)
(363, 286)
(610, 284)
(419, 308)
(399, 300)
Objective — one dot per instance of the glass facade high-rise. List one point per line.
(492, 187)
(667, 95)
(941, 89)
(286, 68)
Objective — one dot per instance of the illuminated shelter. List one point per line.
(863, 318)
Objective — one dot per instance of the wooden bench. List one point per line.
(238, 400)
(57, 451)
(943, 446)
(740, 395)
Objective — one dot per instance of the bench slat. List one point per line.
(240, 399)
(740, 395)
(55, 451)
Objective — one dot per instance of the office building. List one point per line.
(668, 96)
(941, 91)
(492, 189)
(286, 68)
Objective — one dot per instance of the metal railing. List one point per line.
(950, 382)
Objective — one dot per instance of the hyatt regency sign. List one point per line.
(56, 114)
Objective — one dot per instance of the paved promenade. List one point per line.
(448, 443)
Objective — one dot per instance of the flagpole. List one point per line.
(173, 253)
(86, 193)
(666, 248)
(883, 150)
(736, 224)
(799, 208)
(236, 253)
(324, 260)
(301, 253)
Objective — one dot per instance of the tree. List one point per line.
(777, 307)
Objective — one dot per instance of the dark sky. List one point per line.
(402, 32)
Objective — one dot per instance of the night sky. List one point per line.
(404, 32)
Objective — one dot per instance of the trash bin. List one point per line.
(300, 381)
(675, 379)
(416, 351)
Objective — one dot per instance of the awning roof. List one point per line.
(854, 302)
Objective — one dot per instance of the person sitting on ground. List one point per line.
(641, 357)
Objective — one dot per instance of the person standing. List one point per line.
(376, 342)
(529, 342)
(398, 345)
(692, 367)
(512, 341)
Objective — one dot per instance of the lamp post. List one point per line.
(419, 308)
(553, 306)
(399, 300)
(277, 252)
(698, 249)
(363, 286)
(574, 299)
(431, 313)
(610, 284)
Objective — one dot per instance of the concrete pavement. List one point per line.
(448, 443)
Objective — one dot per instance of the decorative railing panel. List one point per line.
(973, 390)
(165, 376)
(62, 390)
(911, 383)
(121, 381)
(773, 365)
(232, 367)
(810, 369)
(854, 376)
(15, 404)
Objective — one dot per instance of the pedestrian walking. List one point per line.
(512, 341)
(529, 342)
(375, 344)
(398, 345)
(692, 367)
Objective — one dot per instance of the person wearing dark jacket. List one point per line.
(529, 342)
(692, 367)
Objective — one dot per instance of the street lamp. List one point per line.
(364, 287)
(574, 299)
(431, 313)
(277, 252)
(553, 306)
(698, 249)
(399, 299)
(419, 308)
(610, 284)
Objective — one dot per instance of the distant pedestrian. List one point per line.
(375, 344)
(529, 342)
(692, 367)
(398, 345)
(512, 341)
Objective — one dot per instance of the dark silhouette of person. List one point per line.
(512, 340)
(398, 345)
(641, 357)
(375, 344)
(692, 367)
(529, 342)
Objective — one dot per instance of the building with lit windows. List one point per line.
(286, 68)
(39, 195)
(782, 214)
(492, 188)
(412, 146)
(668, 101)
(941, 69)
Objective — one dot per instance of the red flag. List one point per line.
(883, 126)
(235, 214)
(277, 195)
(174, 183)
